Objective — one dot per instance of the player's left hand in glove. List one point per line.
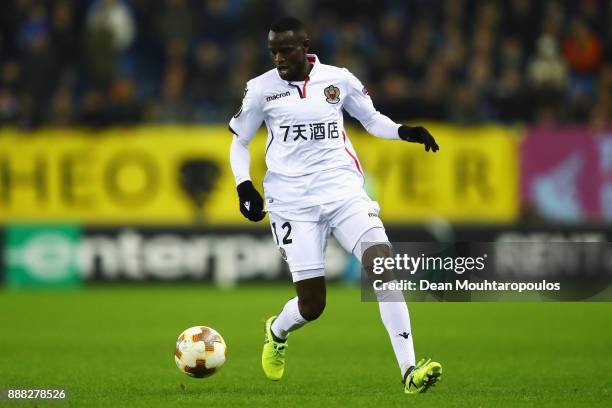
(418, 134)
(251, 203)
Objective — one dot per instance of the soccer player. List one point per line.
(314, 187)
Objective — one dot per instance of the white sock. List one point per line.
(288, 320)
(392, 305)
(395, 317)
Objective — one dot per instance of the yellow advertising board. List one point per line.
(182, 176)
(473, 178)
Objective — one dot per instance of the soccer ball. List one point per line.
(200, 351)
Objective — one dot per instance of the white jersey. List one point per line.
(309, 157)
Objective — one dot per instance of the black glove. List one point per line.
(418, 134)
(251, 203)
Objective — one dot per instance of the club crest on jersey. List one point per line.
(332, 94)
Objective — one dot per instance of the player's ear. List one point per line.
(306, 44)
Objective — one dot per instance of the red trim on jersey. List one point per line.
(304, 86)
(351, 154)
(311, 59)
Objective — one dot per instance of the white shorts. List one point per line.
(301, 235)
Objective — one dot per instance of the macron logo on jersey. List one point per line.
(277, 96)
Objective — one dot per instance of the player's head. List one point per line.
(288, 44)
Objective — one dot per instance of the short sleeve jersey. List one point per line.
(309, 157)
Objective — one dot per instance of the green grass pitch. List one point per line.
(112, 346)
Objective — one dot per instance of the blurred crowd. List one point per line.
(108, 62)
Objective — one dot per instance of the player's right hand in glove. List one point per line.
(251, 203)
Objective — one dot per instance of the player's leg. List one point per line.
(395, 316)
(307, 306)
(359, 230)
(304, 308)
(391, 304)
(302, 245)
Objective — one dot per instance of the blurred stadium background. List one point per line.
(114, 168)
(114, 113)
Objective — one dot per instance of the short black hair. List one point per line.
(287, 24)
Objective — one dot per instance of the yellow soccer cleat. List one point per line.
(422, 377)
(273, 354)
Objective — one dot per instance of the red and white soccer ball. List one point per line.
(200, 351)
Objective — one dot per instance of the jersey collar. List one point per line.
(313, 59)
